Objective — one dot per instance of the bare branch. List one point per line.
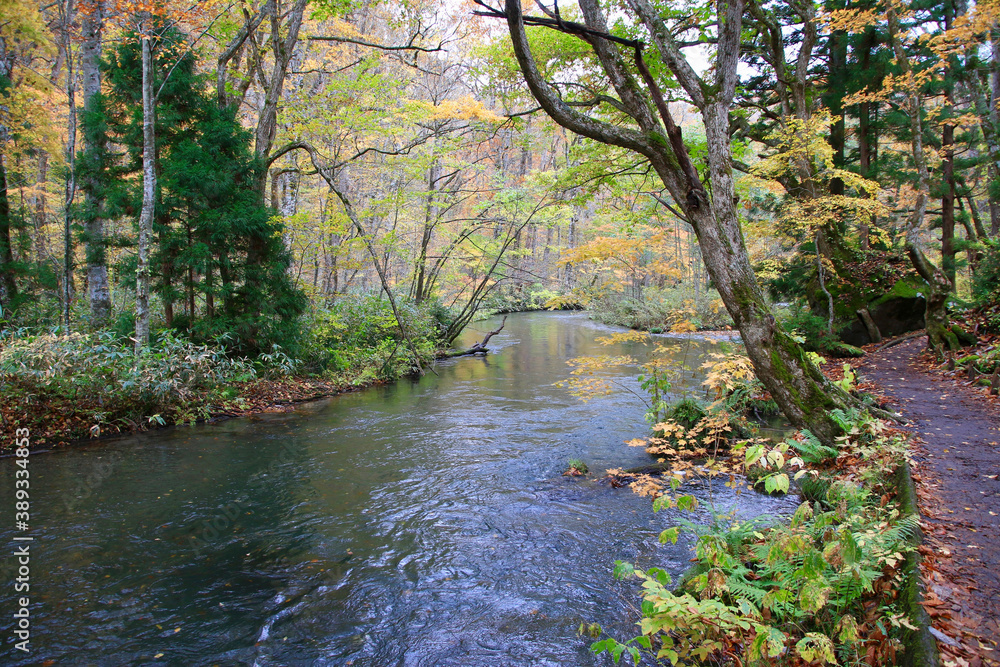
(381, 47)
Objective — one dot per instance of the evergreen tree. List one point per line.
(214, 241)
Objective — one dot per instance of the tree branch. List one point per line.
(546, 95)
(381, 47)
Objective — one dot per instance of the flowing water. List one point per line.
(421, 523)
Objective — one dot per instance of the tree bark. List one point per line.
(98, 291)
(8, 271)
(994, 118)
(939, 334)
(8, 283)
(873, 332)
(67, 8)
(948, 201)
(148, 197)
(420, 291)
(478, 348)
(799, 388)
(267, 123)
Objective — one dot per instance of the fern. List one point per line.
(845, 419)
(811, 449)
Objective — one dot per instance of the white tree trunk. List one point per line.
(148, 199)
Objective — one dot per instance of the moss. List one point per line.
(668, 151)
(906, 288)
(921, 648)
(844, 350)
(963, 336)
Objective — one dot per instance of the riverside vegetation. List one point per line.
(821, 587)
(71, 386)
(211, 210)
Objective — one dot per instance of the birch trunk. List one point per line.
(148, 199)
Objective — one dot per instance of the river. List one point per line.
(421, 523)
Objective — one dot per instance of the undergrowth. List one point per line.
(819, 588)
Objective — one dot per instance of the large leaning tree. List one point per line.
(643, 124)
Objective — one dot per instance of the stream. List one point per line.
(420, 523)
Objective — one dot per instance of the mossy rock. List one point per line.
(905, 288)
(842, 350)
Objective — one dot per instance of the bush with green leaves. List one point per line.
(358, 336)
(986, 279)
(519, 298)
(100, 373)
(812, 329)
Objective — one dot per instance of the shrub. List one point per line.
(519, 298)
(811, 328)
(687, 412)
(986, 281)
(819, 589)
(359, 334)
(101, 375)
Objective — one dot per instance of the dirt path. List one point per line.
(957, 470)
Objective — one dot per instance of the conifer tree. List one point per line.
(213, 240)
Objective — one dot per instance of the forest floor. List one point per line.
(956, 452)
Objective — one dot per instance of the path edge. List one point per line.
(921, 647)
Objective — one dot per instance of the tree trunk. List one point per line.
(874, 335)
(837, 45)
(8, 283)
(8, 271)
(939, 332)
(98, 292)
(148, 199)
(994, 119)
(71, 167)
(267, 123)
(948, 202)
(430, 220)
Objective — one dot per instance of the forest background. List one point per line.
(196, 197)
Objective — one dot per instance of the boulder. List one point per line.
(897, 312)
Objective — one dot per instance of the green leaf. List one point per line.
(847, 629)
(687, 502)
(781, 483)
(814, 595)
(670, 535)
(816, 647)
(622, 570)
